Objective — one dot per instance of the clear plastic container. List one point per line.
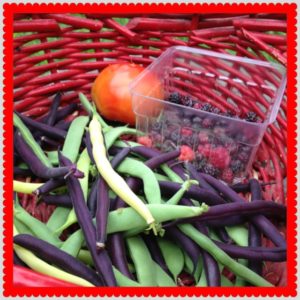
(219, 141)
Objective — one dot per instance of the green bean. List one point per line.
(83, 165)
(38, 228)
(125, 219)
(73, 244)
(126, 144)
(53, 157)
(113, 134)
(58, 218)
(90, 110)
(239, 235)
(25, 187)
(173, 256)
(202, 281)
(86, 257)
(179, 194)
(143, 263)
(171, 174)
(138, 169)
(160, 177)
(22, 228)
(74, 137)
(225, 281)
(163, 279)
(29, 139)
(208, 245)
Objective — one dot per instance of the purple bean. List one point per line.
(117, 252)
(241, 209)
(88, 144)
(50, 142)
(261, 222)
(37, 167)
(92, 198)
(22, 172)
(51, 117)
(200, 194)
(102, 213)
(63, 112)
(49, 186)
(255, 239)
(160, 159)
(211, 268)
(54, 255)
(47, 130)
(223, 235)
(145, 151)
(101, 259)
(254, 253)
(118, 158)
(188, 245)
(58, 200)
(245, 187)
(64, 125)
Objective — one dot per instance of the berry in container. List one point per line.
(216, 107)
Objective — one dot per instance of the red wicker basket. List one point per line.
(64, 53)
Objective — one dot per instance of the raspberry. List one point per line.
(203, 137)
(204, 150)
(186, 153)
(197, 105)
(219, 157)
(145, 140)
(186, 131)
(227, 175)
(207, 123)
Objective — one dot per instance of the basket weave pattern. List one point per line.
(64, 53)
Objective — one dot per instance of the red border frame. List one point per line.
(289, 9)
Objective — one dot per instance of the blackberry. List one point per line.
(168, 145)
(175, 136)
(243, 156)
(216, 110)
(186, 122)
(187, 101)
(236, 166)
(187, 140)
(229, 114)
(207, 107)
(201, 164)
(211, 170)
(197, 120)
(157, 126)
(175, 98)
(251, 117)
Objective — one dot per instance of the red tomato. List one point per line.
(111, 93)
